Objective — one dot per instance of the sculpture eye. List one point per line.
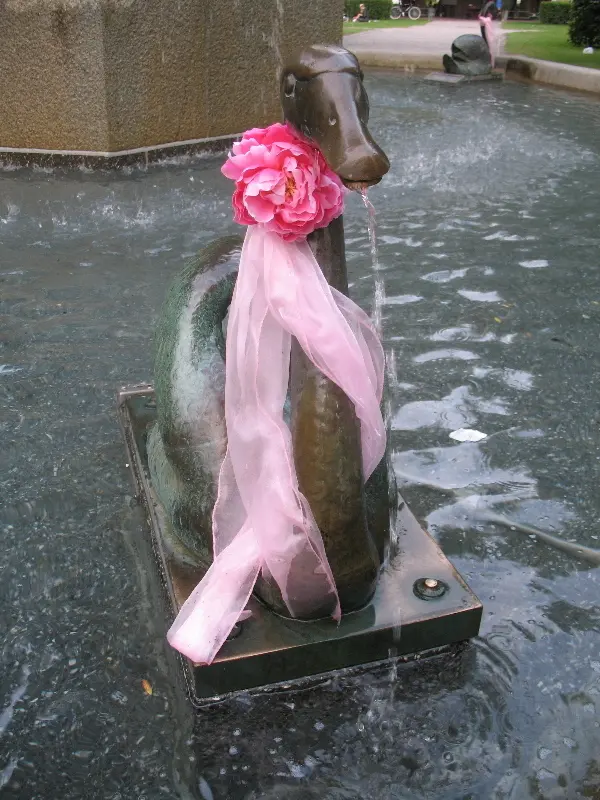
(289, 85)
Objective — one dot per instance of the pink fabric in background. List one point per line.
(261, 520)
(488, 24)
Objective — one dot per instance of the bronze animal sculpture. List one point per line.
(322, 95)
(470, 56)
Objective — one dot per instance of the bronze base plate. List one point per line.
(271, 650)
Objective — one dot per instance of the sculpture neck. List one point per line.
(328, 248)
(326, 438)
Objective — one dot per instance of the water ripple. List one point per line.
(459, 409)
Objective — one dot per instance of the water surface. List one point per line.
(489, 235)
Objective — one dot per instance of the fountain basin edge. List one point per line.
(518, 68)
(96, 159)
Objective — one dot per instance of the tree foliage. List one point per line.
(584, 25)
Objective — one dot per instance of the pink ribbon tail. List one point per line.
(261, 520)
(217, 602)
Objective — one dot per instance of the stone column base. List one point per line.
(109, 77)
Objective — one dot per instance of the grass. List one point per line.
(524, 23)
(358, 27)
(548, 42)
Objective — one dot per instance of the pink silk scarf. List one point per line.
(261, 520)
(488, 24)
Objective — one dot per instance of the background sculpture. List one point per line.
(470, 56)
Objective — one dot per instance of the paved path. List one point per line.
(422, 47)
(432, 39)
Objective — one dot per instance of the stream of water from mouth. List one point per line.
(379, 285)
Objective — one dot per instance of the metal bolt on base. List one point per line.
(429, 588)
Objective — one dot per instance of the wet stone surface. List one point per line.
(488, 231)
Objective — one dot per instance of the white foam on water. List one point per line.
(442, 355)
(11, 215)
(459, 409)
(7, 772)
(539, 263)
(468, 435)
(445, 275)
(514, 378)
(518, 379)
(503, 236)
(402, 299)
(480, 297)
(17, 695)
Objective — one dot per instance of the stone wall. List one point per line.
(113, 75)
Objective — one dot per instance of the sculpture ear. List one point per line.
(289, 85)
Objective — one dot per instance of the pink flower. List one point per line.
(282, 182)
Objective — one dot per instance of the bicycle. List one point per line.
(410, 10)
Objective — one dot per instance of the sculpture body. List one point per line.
(188, 442)
(323, 97)
(470, 56)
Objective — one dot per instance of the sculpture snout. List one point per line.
(346, 142)
(364, 165)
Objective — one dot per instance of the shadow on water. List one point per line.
(490, 310)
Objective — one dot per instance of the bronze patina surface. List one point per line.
(470, 56)
(406, 616)
(322, 95)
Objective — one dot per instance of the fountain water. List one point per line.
(487, 234)
(379, 285)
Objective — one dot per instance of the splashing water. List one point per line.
(379, 297)
(390, 355)
(379, 288)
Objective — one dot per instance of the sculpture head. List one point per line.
(323, 97)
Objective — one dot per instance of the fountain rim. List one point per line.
(550, 75)
(26, 156)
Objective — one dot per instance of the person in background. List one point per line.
(363, 14)
(489, 10)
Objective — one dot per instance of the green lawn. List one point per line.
(515, 25)
(358, 27)
(549, 42)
